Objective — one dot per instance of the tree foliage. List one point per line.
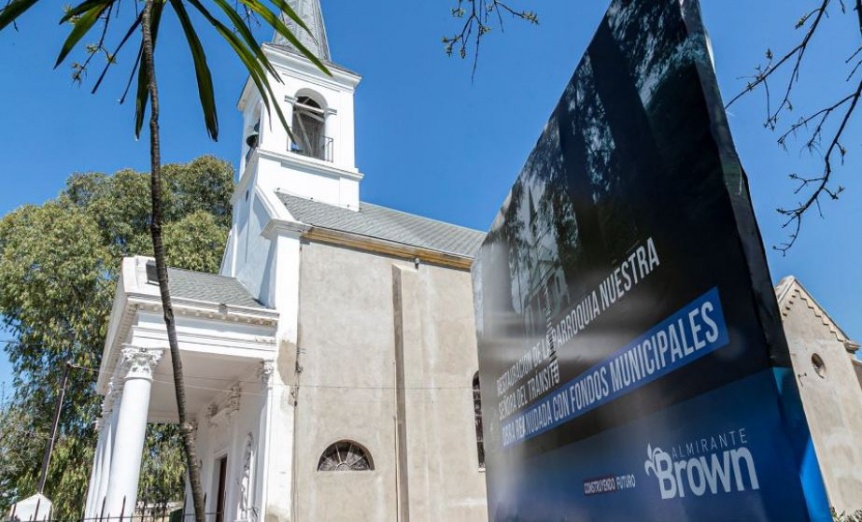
(16, 444)
(162, 471)
(58, 272)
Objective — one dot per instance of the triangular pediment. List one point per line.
(794, 298)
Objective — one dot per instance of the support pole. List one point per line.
(46, 459)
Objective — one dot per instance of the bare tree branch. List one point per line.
(477, 16)
(822, 129)
(794, 57)
(821, 183)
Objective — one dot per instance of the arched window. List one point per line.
(345, 455)
(308, 129)
(477, 414)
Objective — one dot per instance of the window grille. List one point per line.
(345, 456)
(308, 129)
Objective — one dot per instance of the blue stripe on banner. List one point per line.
(695, 330)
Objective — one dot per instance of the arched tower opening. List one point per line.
(309, 129)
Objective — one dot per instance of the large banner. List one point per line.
(632, 360)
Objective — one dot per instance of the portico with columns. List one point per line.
(133, 377)
(227, 345)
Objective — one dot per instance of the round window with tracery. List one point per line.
(345, 456)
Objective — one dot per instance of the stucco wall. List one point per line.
(832, 399)
(351, 333)
(254, 252)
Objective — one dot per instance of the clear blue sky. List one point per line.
(429, 140)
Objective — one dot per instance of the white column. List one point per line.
(137, 371)
(259, 496)
(278, 130)
(110, 410)
(93, 487)
(232, 499)
(331, 130)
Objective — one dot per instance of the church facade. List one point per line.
(331, 367)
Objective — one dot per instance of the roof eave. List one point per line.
(386, 247)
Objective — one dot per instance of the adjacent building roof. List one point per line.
(384, 223)
(789, 289)
(201, 286)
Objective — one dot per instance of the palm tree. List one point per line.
(95, 16)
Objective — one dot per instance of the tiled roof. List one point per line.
(387, 224)
(201, 286)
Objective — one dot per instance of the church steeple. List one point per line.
(315, 38)
(313, 157)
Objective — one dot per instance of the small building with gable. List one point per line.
(829, 377)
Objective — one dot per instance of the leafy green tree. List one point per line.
(58, 272)
(161, 471)
(16, 444)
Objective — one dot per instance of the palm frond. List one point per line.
(82, 26)
(202, 70)
(275, 22)
(14, 9)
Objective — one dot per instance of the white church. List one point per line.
(331, 367)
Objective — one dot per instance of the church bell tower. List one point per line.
(316, 159)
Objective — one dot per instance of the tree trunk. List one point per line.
(186, 430)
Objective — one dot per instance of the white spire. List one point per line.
(315, 38)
